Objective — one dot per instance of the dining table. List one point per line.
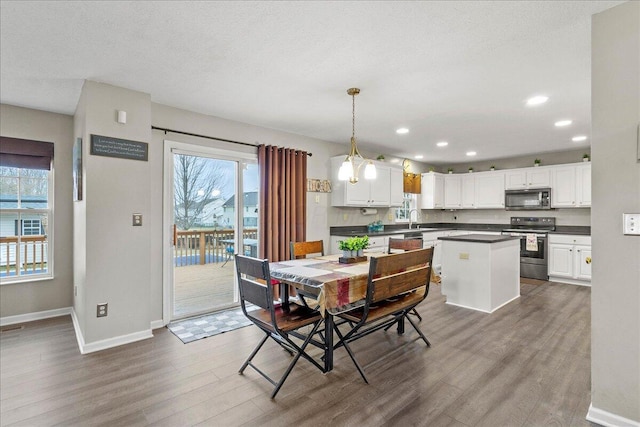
(337, 288)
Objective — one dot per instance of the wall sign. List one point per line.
(121, 148)
(318, 185)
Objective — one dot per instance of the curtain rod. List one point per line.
(165, 130)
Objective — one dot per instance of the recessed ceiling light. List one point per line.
(471, 153)
(419, 156)
(562, 123)
(442, 144)
(579, 138)
(402, 131)
(537, 100)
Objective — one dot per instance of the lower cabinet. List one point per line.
(570, 259)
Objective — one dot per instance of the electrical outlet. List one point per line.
(137, 220)
(102, 309)
(345, 217)
(390, 216)
(464, 255)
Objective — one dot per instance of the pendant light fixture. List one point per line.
(349, 171)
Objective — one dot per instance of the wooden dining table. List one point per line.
(337, 288)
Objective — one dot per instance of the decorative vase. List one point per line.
(450, 171)
(360, 252)
(585, 159)
(536, 164)
(346, 254)
(470, 170)
(492, 169)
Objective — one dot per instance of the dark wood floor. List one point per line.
(528, 364)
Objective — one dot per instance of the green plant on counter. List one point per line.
(354, 243)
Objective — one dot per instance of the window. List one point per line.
(31, 227)
(26, 186)
(409, 203)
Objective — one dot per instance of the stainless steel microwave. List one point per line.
(528, 199)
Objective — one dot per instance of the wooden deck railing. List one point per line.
(33, 254)
(206, 246)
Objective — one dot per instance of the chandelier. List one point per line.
(349, 171)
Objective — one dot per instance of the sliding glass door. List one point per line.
(211, 221)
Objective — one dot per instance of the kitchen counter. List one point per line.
(480, 272)
(394, 229)
(479, 238)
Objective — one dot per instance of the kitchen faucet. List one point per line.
(410, 218)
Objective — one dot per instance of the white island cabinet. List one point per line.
(479, 271)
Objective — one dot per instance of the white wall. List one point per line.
(615, 294)
(117, 263)
(43, 295)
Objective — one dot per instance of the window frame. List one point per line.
(409, 202)
(49, 212)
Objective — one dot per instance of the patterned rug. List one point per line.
(196, 328)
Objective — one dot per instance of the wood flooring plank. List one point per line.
(528, 363)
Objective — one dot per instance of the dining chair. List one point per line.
(302, 249)
(396, 284)
(401, 245)
(276, 323)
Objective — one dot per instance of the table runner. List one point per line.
(340, 287)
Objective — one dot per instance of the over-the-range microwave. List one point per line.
(527, 199)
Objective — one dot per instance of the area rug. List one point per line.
(197, 328)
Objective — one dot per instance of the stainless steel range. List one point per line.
(533, 233)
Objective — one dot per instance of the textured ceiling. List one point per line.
(458, 71)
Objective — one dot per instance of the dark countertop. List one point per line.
(394, 229)
(479, 238)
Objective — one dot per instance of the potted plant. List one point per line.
(585, 157)
(536, 162)
(353, 246)
(471, 169)
(450, 170)
(492, 168)
(380, 158)
(432, 169)
(346, 246)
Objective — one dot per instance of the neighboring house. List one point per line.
(249, 215)
(27, 225)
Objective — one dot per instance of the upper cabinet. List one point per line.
(432, 191)
(536, 177)
(375, 192)
(571, 186)
(490, 190)
(452, 191)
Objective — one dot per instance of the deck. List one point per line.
(203, 288)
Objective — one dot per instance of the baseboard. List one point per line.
(608, 419)
(108, 343)
(157, 324)
(569, 281)
(30, 317)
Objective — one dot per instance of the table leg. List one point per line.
(328, 342)
(284, 296)
(401, 326)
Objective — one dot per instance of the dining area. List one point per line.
(327, 302)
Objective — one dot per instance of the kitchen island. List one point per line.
(480, 272)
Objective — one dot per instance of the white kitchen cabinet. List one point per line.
(536, 177)
(489, 188)
(397, 187)
(583, 185)
(452, 191)
(571, 186)
(377, 244)
(432, 191)
(468, 191)
(430, 240)
(570, 259)
(375, 192)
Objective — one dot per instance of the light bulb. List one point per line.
(370, 171)
(346, 170)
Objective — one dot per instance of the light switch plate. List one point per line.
(631, 224)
